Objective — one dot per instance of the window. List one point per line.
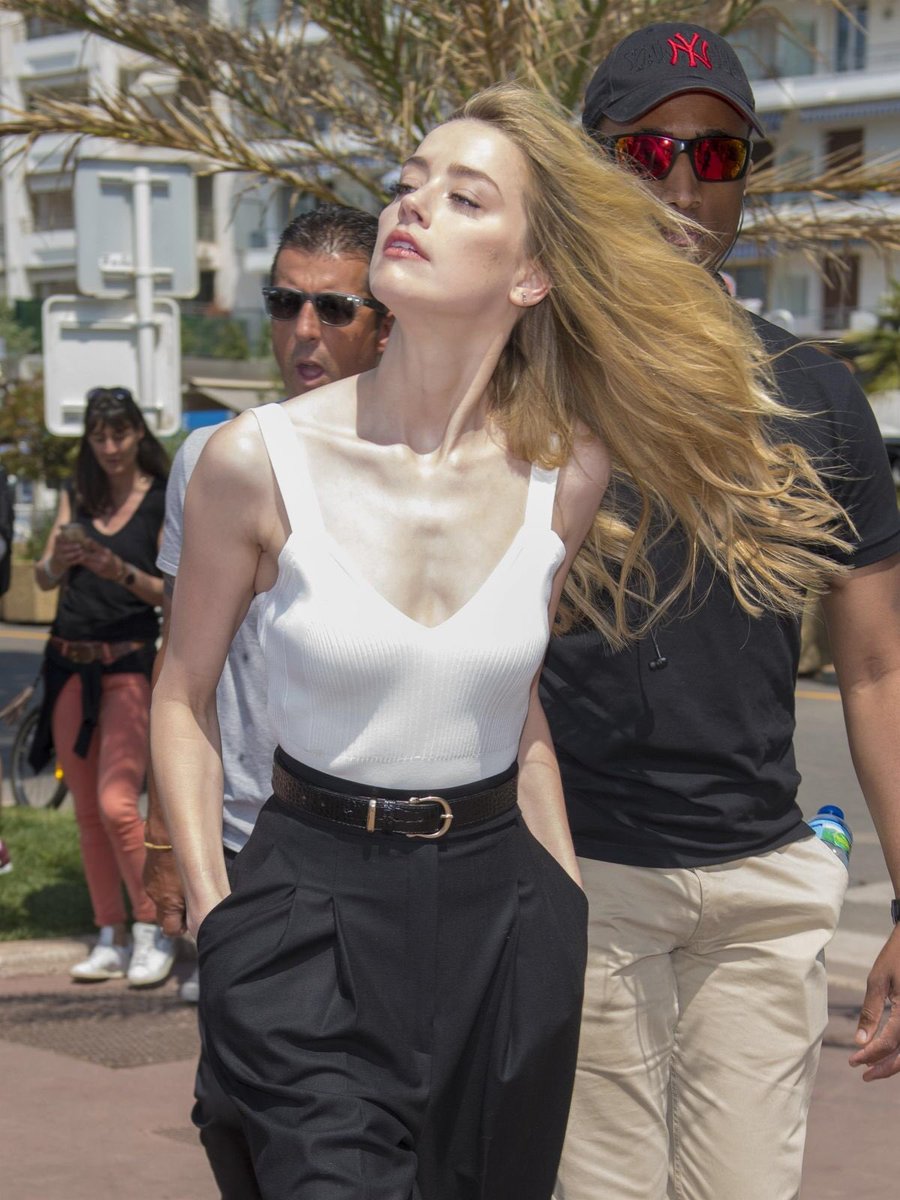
(40, 27)
(206, 291)
(844, 148)
(206, 226)
(73, 88)
(792, 292)
(851, 37)
(771, 52)
(751, 282)
(290, 203)
(840, 291)
(42, 288)
(52, 203)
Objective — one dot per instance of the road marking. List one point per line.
(27, 635)
(803, 694)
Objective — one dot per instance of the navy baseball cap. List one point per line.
(660, 61)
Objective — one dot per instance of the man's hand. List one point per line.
(163, 884)
(881, 1046)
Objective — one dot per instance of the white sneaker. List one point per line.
(189, 992)
(105, 961)
(152, 956)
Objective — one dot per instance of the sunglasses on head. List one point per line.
(332, 308)
(714, 159)
(121, 395)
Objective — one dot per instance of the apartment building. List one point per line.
(827, 90)
(827, 87)
(238, 218)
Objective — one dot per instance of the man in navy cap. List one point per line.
(711, 902)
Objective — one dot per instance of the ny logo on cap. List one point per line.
(680, 45)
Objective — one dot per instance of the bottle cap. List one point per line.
(832, 810)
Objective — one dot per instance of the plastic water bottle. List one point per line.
(830, 825)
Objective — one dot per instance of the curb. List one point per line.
(50, 956)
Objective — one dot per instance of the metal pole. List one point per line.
(143, 290)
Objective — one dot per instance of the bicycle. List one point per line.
(46, 788)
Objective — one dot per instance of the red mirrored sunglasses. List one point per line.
(714, 159)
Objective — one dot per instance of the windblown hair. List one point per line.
(113, 407)
(329, 229)
(641, 348)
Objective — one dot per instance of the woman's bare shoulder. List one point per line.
(236, 450)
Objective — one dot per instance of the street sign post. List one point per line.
(92, 343)
(135, 224)
(135, 220)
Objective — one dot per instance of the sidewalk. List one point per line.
(97, 1087)
(97, 1084)
(852, 1147)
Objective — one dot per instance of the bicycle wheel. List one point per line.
(44, 789)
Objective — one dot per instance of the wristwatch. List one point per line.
(895, 911)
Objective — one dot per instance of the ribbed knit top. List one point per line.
(358, 689)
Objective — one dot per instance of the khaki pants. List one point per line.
(705, 1006)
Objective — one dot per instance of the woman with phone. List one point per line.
(102, 554)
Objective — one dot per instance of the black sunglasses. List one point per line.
(715, 159)
(332, 308)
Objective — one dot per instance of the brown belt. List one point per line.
(419, 816)
(89, 652)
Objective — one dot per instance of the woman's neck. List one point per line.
(124, 486)
(430, 390)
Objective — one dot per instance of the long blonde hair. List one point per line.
(642, 349)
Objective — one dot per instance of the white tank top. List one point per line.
(358, 689)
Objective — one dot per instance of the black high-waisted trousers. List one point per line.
(396, 1019)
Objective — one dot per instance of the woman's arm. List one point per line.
(233, 529)
(582, 483)
(540, 788)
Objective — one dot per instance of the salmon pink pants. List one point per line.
(105, 787)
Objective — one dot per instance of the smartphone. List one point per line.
(72, 532)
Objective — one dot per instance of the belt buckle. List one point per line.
(446, 816)
(81, 654)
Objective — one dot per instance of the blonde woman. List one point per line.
(391, 992)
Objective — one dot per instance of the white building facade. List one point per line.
(239, 218)
(828, 91)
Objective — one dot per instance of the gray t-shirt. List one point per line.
(247, 743)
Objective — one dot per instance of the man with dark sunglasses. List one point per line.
(325, 326)
(711, 903)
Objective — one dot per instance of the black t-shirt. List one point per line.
(95, 609)
(693, 764)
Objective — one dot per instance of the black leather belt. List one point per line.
(419, 816)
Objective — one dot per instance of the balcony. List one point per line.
(876, 89)
(59, 54)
